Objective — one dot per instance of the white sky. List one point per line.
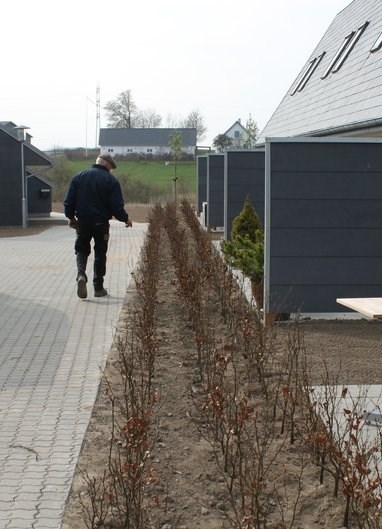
(226, 59)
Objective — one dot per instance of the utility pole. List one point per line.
(97, 104)
(98, 114)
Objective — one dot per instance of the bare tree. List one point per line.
(172, 121)
(195, 120)
(122, 112)
(148, 119)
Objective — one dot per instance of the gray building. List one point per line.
(201, 182)
(20, 164)
(39, 196)
(243, 178)
(323, 171)
(323, 222)
(215, 191)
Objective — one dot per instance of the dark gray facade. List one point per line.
(11, 184)
(201, 181)
(244, 176)
(323, 223)
(14, 154)
(215, 190)
(39, 196)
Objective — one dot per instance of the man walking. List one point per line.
(93, 198)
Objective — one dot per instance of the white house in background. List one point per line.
(238, 134)
(144, 142)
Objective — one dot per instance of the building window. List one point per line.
(307, 74)
(110, 150)
(237, 134)
(338, 54)
(149, 150)
(377, 44)
(346, 47)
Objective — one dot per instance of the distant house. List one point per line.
(238, 134)
(144, 142)
(24, 191)
(339, 89)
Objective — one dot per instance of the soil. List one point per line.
(189, 489)
(137, 213)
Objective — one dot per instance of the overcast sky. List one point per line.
(223, 58)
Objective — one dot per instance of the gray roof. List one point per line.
(144, 137)
(39, 177)
(9, 127)
(33, 155)
(347, 99)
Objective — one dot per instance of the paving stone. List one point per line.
(20, 514)
(6, 505)
(7, 496)
(50, 373)
(45, 523)
(17, 523)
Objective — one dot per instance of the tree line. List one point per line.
(123, 112)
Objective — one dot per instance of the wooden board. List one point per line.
(370, 306)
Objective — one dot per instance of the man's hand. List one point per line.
(129, 224)
(73, 223)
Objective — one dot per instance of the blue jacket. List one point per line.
(95, 194)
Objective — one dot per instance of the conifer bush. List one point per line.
(245, 250)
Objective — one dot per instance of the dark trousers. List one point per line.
(99, 232)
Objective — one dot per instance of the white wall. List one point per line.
(143, 150)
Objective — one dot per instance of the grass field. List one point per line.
(141, 181)
(150, 173)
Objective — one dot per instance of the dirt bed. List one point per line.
(189, 489)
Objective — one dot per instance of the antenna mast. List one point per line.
(98, 115)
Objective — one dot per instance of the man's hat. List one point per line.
(109, 159)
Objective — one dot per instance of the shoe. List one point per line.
(100, 293)
(82, 291)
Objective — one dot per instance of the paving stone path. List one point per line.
(53, 347)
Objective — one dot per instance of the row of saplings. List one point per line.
(256, 398)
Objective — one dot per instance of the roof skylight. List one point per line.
(343, 52)
(307, 74)
(377, 44)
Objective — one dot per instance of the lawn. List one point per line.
(144, 181)
(150, 173)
